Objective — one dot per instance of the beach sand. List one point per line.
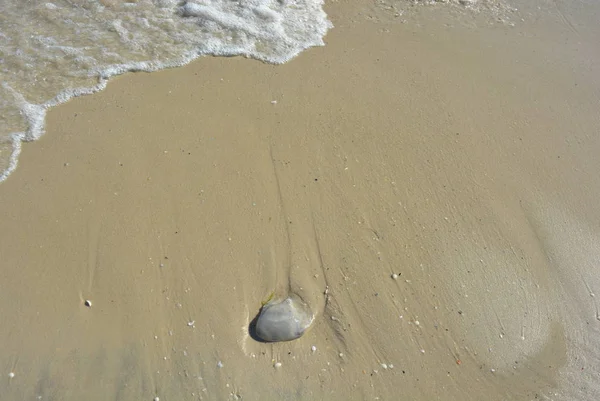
(429, 188)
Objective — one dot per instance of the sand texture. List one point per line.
(430, 190)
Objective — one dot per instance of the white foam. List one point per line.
(15, 142)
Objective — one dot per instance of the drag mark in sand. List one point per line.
(94, 228)
(285, 316)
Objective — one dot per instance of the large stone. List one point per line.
(284, 320)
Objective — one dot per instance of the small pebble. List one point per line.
(219, 364)
(341, 355)
(156, 399)
(313, 348)
(277, 365)
(191, 323)
(273, 101)
(395, 276)
(88, 303)
(383, 365)
(11, 375)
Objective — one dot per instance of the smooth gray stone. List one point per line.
(283, 320)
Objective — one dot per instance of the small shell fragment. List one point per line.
(88, 303)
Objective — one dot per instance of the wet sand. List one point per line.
(429, 188)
